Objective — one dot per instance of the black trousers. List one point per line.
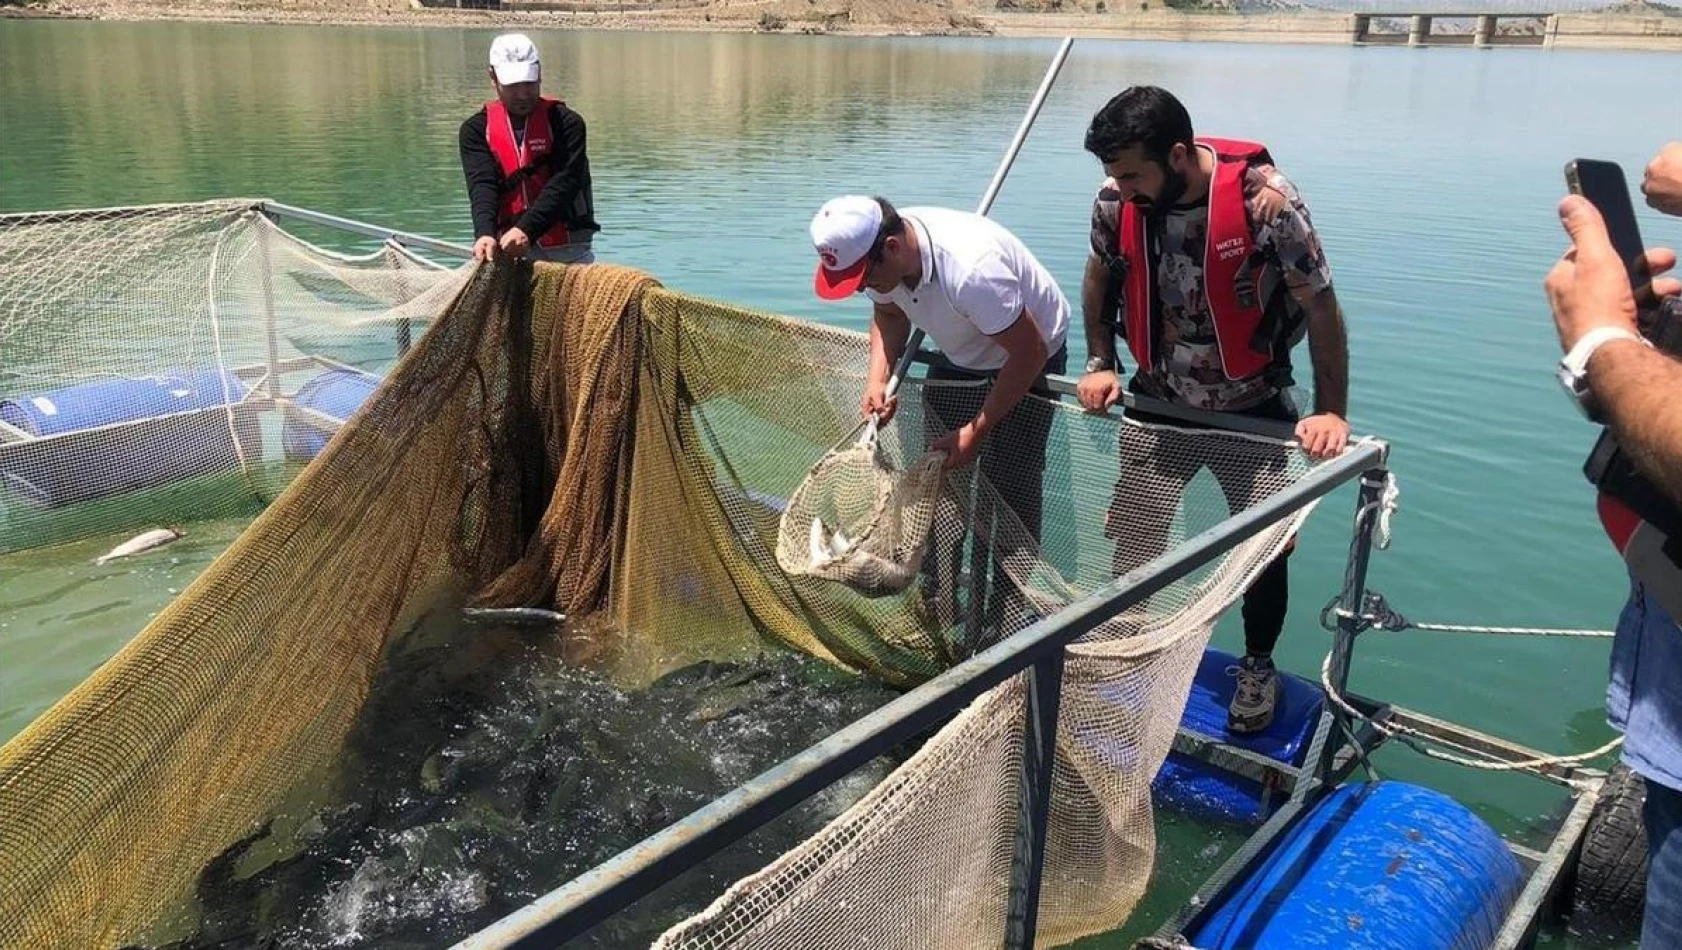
(1150, 490)
(1012, 461)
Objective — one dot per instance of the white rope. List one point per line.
(1511, 631)
(1412, 738)
(1377, 613)
(1388, 501)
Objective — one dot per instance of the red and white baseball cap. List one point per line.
(843, 231)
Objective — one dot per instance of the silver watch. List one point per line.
(1099, 364)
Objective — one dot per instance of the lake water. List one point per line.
(1431, 174)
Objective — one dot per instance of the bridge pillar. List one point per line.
(1358, 31)
(1420, 34)
(1485, 32)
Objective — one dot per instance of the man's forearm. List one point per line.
(1328, 347)
(888, 335)
(570, 169)
(1638, 389)
(1015, 378)
(1094, 288)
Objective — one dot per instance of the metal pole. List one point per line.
(275, 208)
(1368, 508)
(1045, 690)
(404, 332)
(273, 344)
(992, 192)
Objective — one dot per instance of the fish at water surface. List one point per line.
(155, 538)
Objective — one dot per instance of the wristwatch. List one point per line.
(1099, 364)
(1573, 366)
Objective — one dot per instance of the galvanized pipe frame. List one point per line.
(275, 209)
(1330, 760)
(579, 905)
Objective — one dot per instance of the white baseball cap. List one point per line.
(843, 231)
(514, 59)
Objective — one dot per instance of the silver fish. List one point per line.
(824, 552)
(522, 616)
(155, 538)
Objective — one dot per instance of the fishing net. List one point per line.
(170, 363)
(856, 521)
(582, 440)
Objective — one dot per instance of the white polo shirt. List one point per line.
(977, 279)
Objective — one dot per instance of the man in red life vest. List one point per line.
(528, 176)
(1205, 262)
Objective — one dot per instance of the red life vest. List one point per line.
(1642, 546)
(529, 154)
(1229, 246)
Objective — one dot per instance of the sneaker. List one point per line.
(1254, 700)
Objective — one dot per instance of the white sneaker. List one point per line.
(1255, 698)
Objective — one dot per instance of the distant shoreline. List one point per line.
(795, 17)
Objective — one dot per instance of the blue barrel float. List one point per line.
(111, 436)
(336, 394)
(1373, 866)
(1204, 791)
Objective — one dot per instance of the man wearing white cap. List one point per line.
(528, 176)
(994, 312)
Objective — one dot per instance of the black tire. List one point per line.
(1611, 880)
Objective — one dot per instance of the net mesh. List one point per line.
(198, 355)
(584, 440)
(856, 521)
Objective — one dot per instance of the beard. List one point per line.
(1173, 186)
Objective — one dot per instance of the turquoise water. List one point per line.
(1432, 175)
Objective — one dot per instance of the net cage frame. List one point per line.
(1035, 653)
(261, 377)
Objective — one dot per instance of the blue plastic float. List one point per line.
(1375, 866)
(336, 394)
(111, 436)
(107, 402)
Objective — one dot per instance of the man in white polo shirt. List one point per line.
(993, 311)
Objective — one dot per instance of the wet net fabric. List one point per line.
(584, 440)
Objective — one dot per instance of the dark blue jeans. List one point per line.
(1661, 927)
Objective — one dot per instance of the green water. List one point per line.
(1432, 175)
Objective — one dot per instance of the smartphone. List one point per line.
(1603, 184)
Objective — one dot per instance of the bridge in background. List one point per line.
(1419, 31)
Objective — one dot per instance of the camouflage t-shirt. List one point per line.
(1188, 361)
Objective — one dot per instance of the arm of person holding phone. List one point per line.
(1638, 388)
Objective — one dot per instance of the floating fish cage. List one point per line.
(1328, 861)
(189, 382)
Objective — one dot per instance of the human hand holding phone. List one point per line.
(1605, 187)
(1593, 289)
